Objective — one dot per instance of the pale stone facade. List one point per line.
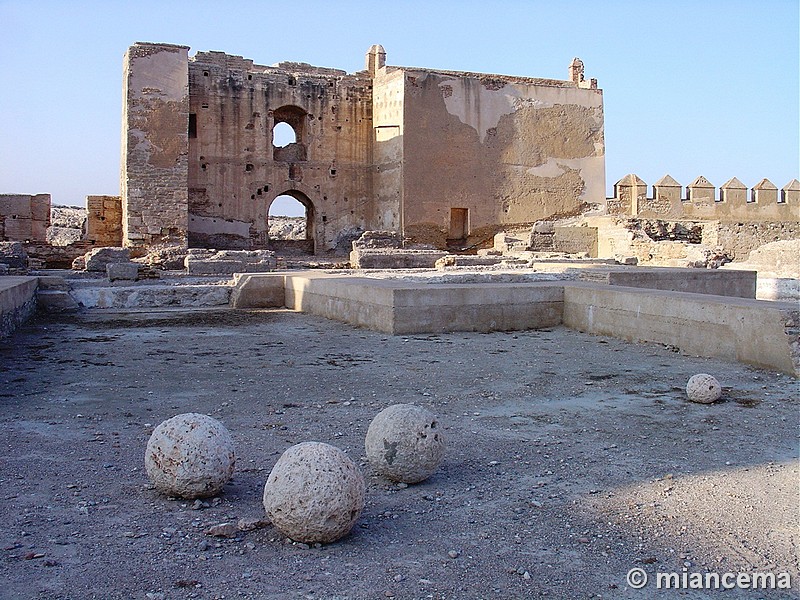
(434, 155)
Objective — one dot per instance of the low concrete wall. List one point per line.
(438, 308)
(760, 333)
(258, 290)
(358, 301)
(149, 296)
(740, 284)
(17, 302)
(398, 307)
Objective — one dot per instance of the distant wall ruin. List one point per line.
(24, 217)
(434, 155)
(104, 220)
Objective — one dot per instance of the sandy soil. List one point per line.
(571, 459)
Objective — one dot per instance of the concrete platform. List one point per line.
(397, 307)
(761, 333)
(17, 302)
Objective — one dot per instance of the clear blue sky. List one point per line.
(691, 87)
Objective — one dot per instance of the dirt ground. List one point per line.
(571, 459)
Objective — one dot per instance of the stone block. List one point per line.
(228, 262)
(98, 258)
(13, 255)
(127, 271)
(387, 258)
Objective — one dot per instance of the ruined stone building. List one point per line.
(439, 156)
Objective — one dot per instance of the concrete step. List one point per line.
(151, 296)
(53, 282)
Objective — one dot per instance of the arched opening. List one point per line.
(288, 134)
(290, 222)
(282, 135)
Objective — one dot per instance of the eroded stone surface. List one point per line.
(703, 388)
(190, 456)
(315, 493)
(127, 271)
(98, 259)
(405, 443)
(13, 255)
(226, 262)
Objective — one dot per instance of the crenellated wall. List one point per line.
(733, 202)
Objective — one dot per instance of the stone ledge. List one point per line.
(17, 302)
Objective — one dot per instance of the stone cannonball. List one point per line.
(405, 443)
(190, 456)
(314, 493)
(703, 388)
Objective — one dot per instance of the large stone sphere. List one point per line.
(703, 388)
(405, 443)
(314, 493)
(190, 456)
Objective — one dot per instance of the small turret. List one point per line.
(576, 70)
(376, 59)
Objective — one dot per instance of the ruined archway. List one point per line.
(285, 238)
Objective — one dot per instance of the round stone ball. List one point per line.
(314, 493)
(703, 388)
(405, 443)
(190, 456)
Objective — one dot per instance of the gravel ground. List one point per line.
(571, 459)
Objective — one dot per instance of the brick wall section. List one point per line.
(155, 144)
(24, 216)
(104, 220)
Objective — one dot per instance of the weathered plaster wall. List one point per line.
(388, 102)
(234, 171)
(25, 217)
(104, 220)
(155, 120)
(510, 150)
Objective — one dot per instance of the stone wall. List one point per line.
(733, 202)
(104, 220)
(436, 155)
(236, 171)
(24, 217)
(485, 152)
(154, 178)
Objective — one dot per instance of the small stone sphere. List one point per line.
(405, 443)
(190, 456)
(314, 493)
(703, 388)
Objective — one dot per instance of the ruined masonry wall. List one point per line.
(155, 145)
(235, 172)
(104, 220)
(435, 155)
(24, 217)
